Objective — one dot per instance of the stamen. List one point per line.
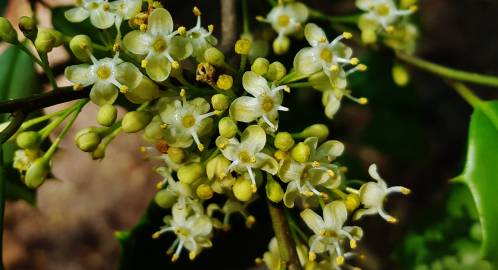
(143, 64)
(182, 31)
(253, 180)
(210, 28)
(267, 121)
(196, 11)
(282, 108)
(311, 256)
(143, 27)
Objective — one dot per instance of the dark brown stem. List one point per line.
(228, 24)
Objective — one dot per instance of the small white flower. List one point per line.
(125, 10)
(107, 75)
(265, 103)
(200, 38)
(99, 11)
(287, 19)
(231, 207)
(373, 195)
(380, 13)
(272, 257)
(159, 44)
(247, 154)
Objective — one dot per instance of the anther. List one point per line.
(362, 67)
(334, 68)
(210, 28)
(390, 29)
(315, 164)
(311, 256)
(322, 39)
(182, 31)
(260, 18)
(156, 235)
(347, 35)
(116, 47)
(143, 27)
(143, 64)
(77, 87)
(405, 191)
(174, 258)
(196, 11)
(352, 243)
(163, 126)
(339, 260)
(192, 255)
(254, 188)
(363, 101)
(123, 89)
(200, 147)
(392, 220)
(331, 173)
(183, 92)
(355, 61)
(160, 185)
(413, 8)
(175, 64)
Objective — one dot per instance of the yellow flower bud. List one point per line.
(47, 39)
(260, 66)
(320, 131)
(217, 167)
(189, 173)
(204, 192)
(88, 139)
(220, 102)
(276, 71)
(243, 46)
(301, 152)
(7, 32)
(227, 127)
(214, 57)
(283, 141)
(135, 121)
(281, 45)
(28, 139)
(242, 189)
(37, 172)
(81, 47)
(224, 82)
(400, 75)
(176, 154)
(28, 27)
(107, 115)
(274, 191)
(165, 199)
(368, 36)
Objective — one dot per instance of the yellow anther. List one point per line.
(163, 126)
(156, 235)
(343, 169)
(390, 29)
(331, 173)
(362, 67)
(143, 64)
(253, 160)
(392, 220)
(200, 147)
(315, 164)
(196, 11)
(405, 191)
(210, 28)
(182, 31)
(156, 4)
(123, 89)
(175, 258)
(347, 35)
(322, 39)
(286, 88)
(116, 47)
(222, 145)
(254, 188)
(106, 7)
(143, 149)
(175, 64)
(243, 46)
(260, 18)
(352, 243)
(192, 255)
(143, 27)
(222, 176)
(334, 68)
(160, 185)
(324, 195)
(308, 193)
(355, 61)
(363, 101)
(250, 221)
(258, 261)
(339, 260)
(77, 87)
(413, 8)
(183, 92)
(311, 256)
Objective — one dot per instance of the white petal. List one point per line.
(137, 42)
(200, 225)
(364, 4)
(160, 22)
(103, 93)
(291, 194)
(128, 74)
(290, 170)
(180, 48)
(266, 163)
(254, 84)
(306, 61)
(300, 11)
(313, 220)
(372, 170)
(158, 68)
(245, 109)
(253, 138)
(80, 74)
(102, 19)
(76, 15)
(329, 150)
(335, 214)
(314, 34)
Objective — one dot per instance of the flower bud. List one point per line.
(224, 82)
(81, 46)
(320, 131)
(276, 71)
(47, 39)
(135, 121)
(400, 75)
(274, 191)
(146, 90)
(88, 139)
(301, 152)
(28, 27)
(243, 46)
(107, 115)
(368, 36)
(220, 102)
(242, 189)
(189, 173)
(7, 32)
(217, 167)
(204, 192)
(37, 172)
(165, 199)
(283, 141)
(28, 139)
(99, 152)
(176, 154)
(214, 57)
(227, 127)
(281, 45)
(260, 66)
(154, 130)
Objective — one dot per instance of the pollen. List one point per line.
(355, 61)
(362, 67)
(254, 188)
(200, 147)
(116, 47)
(143, 64)
(183, 93)
(175, 258)
(392, 220)
(405, 191)
(192, 255)
(347, 35)
(363, 101)
(77, 87)
(160, 185)
(315, 164)
(156, 235)
(334, 68)
(339, 260)
(352, 243)
(123, 89)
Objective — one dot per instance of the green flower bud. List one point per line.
(176, 154)
(276, 71)
(37, 172)
(227, 127)
(301, 152)
(217, 167)
(47, 39)
(28, 140)
(99, 152)
(165, 199)
(320, 131)
(220, 102)
(81, 46)
(88, 139)
(28, 27)
(283, 141)
(135, 121)
(281, 45)
(260, 66)
(224, 82)
(274, 191)
(243, 46)
(214, 57)
(146, 90)
(400, 75)
(189, 173)
(204, 192)
(107, 115)
(242, 189)
(7, 32)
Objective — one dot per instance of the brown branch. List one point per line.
(228, 24)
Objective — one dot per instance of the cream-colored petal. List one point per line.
(102, 19)
(147, 90)
(200, 225)
(335, 214)
(254, 84)
(80, 74)
(329, 150)
(128, 74)
(76, 14)
(307, 62)
(266, 163)
(199, 105)
(160, 22)
(313, 220)
(332, 106)
(300, 11)
(290, 170)
(291, 194)
(253, 138)
(137, 42)
(245, 109)
(180, 48)
(314, 34)
(158, 68)
(103, 93)
(364, 4)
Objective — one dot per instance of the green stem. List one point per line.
(449, 73)
(29, 123)
(54, 124)
(47, 70)
(352, 19)
(28, 52)
(299, 84)
(243, 62)
(245, 17)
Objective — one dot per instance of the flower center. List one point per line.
(245, 157)
(283, 20)
(183, 232)
(159, 45)
(382, 10)
(188, 121)
(328, 233)
(326, 55)
(195, 35)
(104, 72)
(267, 104)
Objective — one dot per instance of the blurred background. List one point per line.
(416, 134)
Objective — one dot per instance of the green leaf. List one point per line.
(480, 173)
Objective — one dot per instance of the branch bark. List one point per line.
(228, 24)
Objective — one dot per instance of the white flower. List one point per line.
(107, 75)
(200, 38)
(247, 154)
(265, 103)
(185, 121)
(193, 231)
(287, 19)
(330, 231)
(231, 207)
(380, 13)
(125, 10)
(99, 11)
(373, 195)
(159, 44)
(272, 256)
